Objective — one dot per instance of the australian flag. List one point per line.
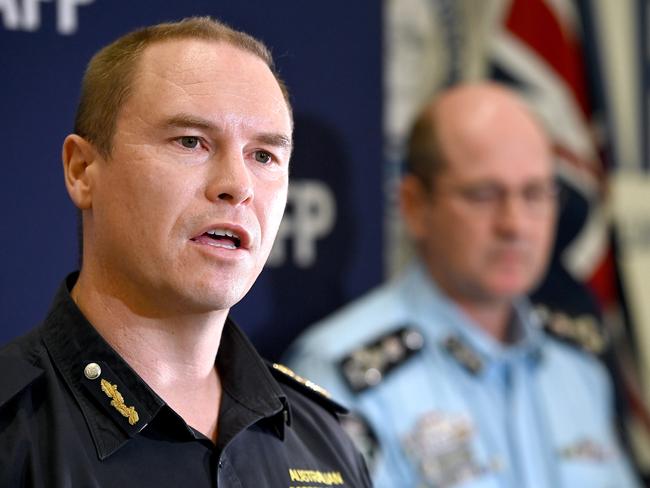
(547, 50)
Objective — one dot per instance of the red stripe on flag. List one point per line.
(602, 281)
(536, 25)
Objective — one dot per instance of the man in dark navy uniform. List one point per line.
(179, 166)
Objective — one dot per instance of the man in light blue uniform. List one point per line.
(453, 380)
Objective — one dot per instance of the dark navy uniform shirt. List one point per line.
(74, 414)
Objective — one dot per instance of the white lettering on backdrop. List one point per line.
(25, 15)
(310, 216)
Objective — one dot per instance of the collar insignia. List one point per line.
(463, 354)
(117, 402)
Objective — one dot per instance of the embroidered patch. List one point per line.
(316, 478)
(441, 447)
(117, 402)
(586, 449)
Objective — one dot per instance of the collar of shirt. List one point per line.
(118, 405)
(445, 319)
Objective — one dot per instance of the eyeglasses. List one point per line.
(537, 199)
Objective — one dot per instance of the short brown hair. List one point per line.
(108, 79)
(424, 152)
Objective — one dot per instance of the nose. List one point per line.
(512, 217)
(229, 179)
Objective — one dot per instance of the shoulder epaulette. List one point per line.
(584, 330)
(308, 387)
(368, 365)
(17, 374)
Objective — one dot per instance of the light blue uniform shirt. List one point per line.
(535, 414)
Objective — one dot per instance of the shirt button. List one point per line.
(92, 371)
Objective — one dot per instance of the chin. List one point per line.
(212, 297)
(206, 305)
(510, 289)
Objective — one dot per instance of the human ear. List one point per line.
(78, 156)
(413, 206)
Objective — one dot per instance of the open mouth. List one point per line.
(220, 238)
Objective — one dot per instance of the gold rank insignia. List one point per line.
(582, 330)
(309, 384)
(463, 354)
(117, 402)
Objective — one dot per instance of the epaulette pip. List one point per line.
(308, 387)
(582, 330)
(368, 365)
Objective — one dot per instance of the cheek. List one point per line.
(544, 235)
(451, 246)
(271, 203)
(147, 201)
(467, 236)
(544, 250)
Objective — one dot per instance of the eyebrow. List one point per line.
(191, 121)
(188, 121)
(276, 140)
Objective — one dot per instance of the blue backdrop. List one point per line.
(330, 55)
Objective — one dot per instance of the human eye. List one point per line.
(263, 157)
(189, 148)
(481, 194)
(541, 192)
(189, 142)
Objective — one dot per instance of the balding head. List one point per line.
(466, 118)
(479, 197)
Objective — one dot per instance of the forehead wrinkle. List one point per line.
(182, 78)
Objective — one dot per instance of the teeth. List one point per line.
(222, 232)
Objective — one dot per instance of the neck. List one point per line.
(493, 317)
(175, 354)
